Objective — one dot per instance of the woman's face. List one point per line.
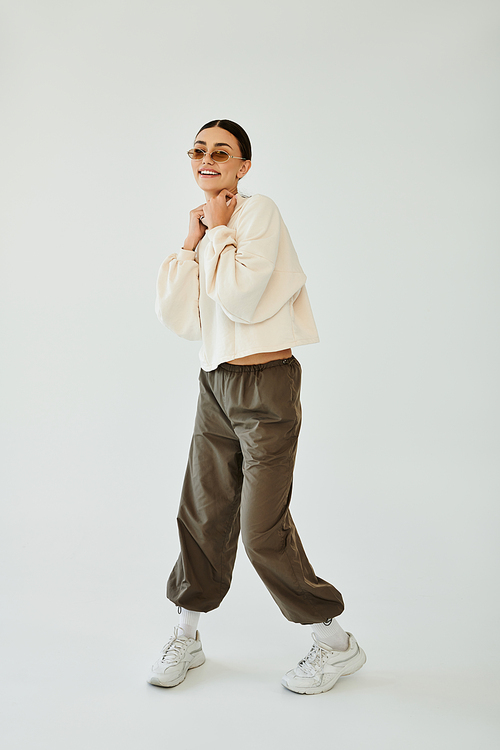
(213, 176)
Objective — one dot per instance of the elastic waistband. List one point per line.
(255, 368)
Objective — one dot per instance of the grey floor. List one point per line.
(75, 667)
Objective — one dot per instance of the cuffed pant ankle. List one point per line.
(239, 477)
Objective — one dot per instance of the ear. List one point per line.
(245, 166)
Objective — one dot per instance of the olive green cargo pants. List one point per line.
(239, 476)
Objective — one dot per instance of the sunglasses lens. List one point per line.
(196, 154)
(220, 156)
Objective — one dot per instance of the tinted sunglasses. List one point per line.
(197, 154)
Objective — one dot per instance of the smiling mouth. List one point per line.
(208, 173)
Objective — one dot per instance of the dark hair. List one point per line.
(234, 129)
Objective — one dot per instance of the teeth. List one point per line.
(205, 171)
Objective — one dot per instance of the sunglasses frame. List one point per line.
(229, 156)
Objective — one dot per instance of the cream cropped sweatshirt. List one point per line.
(242, 291)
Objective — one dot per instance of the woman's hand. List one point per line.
(218, 210)
(196, 228)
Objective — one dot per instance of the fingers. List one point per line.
(196, 215)
(218, 210)
(225, 194)
(222, 196)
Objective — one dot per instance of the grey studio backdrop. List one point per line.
(375, 130)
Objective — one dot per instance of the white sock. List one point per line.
(332, 634)
(188, 622)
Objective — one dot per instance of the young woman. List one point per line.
(237, 285)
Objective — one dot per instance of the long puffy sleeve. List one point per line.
(245, 273)
(177, 295)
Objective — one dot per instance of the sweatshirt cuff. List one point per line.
(186, 255)
(222, 233)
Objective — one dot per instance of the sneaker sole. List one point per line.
(156, 680)
(352, 666)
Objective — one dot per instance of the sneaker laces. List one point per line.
(313, 661)
(174, 650)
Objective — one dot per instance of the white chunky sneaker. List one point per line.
(178, 655)
(321, 668)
